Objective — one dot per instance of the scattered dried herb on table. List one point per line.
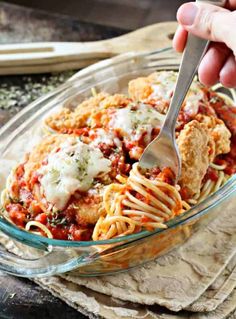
(17, 92)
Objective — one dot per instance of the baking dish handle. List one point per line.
(40, 258)
(52, 262)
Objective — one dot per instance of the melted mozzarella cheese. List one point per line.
(134, 122)
(106, 137)
(163, 87)
(73, 168)
(194, 96)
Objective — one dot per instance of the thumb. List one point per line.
(209, 22)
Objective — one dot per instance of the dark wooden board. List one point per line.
(20, 24)
(126, 14)
(22, 299)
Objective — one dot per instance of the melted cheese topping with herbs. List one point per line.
(134, 122)
(73, 168)
(163, 87)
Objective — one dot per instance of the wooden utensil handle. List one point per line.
(80, 54)
(50, 52)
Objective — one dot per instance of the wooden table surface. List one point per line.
(21, 298)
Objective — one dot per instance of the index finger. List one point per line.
(180, 39)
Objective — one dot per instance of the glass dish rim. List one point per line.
(201, 208)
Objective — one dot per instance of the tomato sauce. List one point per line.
(211, 174)
(17, 213)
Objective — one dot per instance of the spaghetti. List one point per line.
(39, 225)
(211, 185)
(125, 211)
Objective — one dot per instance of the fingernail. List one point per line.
(187, 14)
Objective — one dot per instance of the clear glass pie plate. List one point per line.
(33, 255)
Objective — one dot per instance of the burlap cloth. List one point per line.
(197, 280)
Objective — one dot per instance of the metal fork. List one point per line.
(163, 151)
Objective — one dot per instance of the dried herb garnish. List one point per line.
(14, 200)
(2, 210)
(56, 218)
(215, 99)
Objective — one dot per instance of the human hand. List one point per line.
(217, 25)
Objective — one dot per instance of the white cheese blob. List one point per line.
(195, 95)
(106, 137)
(134, 122)
(163, 87)
(73, 168)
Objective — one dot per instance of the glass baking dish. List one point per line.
(39, 256)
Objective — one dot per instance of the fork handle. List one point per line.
(192, 56)
(194, 51)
